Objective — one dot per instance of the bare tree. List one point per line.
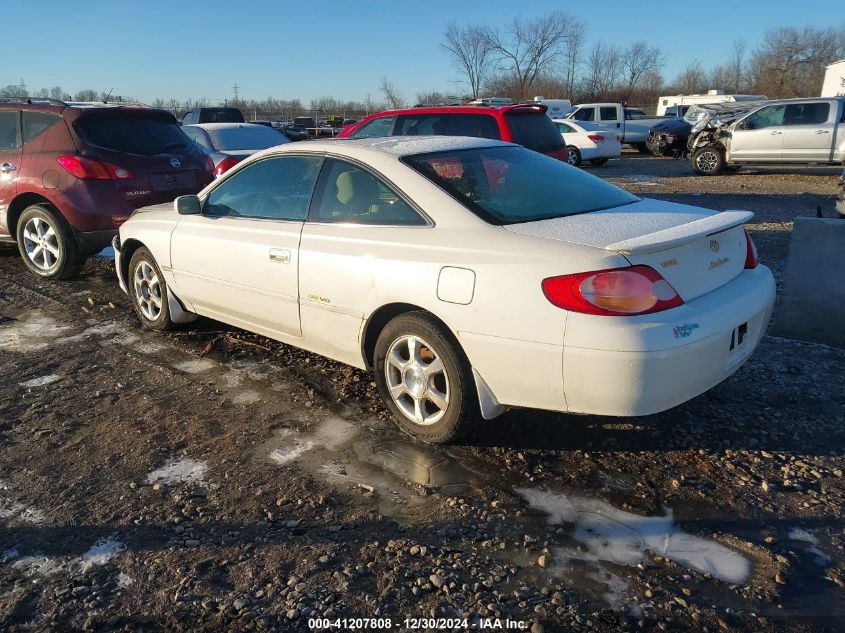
(529, 48)
(735, 67)
(471, 52)
(431, 97)
(391, 95)
(603, 70)
(691, 80)
(790, 62)
(85, 95)
(637, 60)
(573, 47)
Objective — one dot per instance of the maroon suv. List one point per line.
(71, 174)
(523, 123)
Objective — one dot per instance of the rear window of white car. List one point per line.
(509, 185)
(247, 136)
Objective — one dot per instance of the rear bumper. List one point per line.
(91, 242)
(669, 358)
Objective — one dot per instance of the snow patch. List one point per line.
(30, 334)
(800, 534)
(124, 581)
(37, 564)
(196, 366)
(41, 381)
(100, 553)
(179, 471)
(15, 511)
(624, 538)
(103, 329)
(287, 454)
(247, 397)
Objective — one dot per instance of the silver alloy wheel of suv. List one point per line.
(41, 243)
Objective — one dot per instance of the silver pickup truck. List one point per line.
(792, 131)
(631, 124)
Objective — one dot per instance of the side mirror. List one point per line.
(187, 205)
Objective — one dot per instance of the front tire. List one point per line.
(424, 379)
(708, 160)
(148, 291)
(574, 155)
(47, 244)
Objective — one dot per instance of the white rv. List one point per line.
(834, 80)
(677, 105)
(557, 108)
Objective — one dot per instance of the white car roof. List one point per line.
(402, 145)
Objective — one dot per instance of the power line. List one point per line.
(235, 89)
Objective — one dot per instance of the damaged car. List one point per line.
(669, 138)
(791, 131)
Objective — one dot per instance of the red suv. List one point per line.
(71, 174)
(525, 124)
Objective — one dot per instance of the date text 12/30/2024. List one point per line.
(447, 624)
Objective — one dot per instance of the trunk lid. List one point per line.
(696, 250)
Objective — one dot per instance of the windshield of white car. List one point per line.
(509, 185)
(247, 136)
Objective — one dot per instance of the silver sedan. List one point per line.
(229, 143)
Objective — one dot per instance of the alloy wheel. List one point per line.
(147, 290)
(41, 243)
(707, 161)
(417, 380)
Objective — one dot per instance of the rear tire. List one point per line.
(574, 155)
(708, 160)
(148, 291)
(47, 244)
(598, 162)
(424, 379)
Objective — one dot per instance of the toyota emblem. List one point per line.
(175, 162)
(714, 246)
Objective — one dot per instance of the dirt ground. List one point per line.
(209, 479)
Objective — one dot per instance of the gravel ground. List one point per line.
(209, 479)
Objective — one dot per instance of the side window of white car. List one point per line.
(351, 195)
(276, 188)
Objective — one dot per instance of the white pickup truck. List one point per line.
(630, 123)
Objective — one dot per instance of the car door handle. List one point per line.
(280, 255)
(7, 167)
(822, 131)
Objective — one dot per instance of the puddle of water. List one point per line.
(800, 534)
(371, 457)
(615, 536)
(30, 334)
(196, 366)
(41, 381)
(179, 471)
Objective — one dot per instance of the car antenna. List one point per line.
(106, 100)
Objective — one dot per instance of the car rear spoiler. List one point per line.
(682, 234)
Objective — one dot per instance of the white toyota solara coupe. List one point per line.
(470, 275)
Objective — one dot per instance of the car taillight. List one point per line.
(751, 259)
(89, 169)
(615, 292)
(595, 138)
(225, 165)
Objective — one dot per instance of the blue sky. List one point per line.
(186, 48)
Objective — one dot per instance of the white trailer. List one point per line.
(679, 104)
(557, 108)
(834, 80)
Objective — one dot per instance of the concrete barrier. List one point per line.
(812, 304)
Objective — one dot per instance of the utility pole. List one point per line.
(235, 89)
(23, 88)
